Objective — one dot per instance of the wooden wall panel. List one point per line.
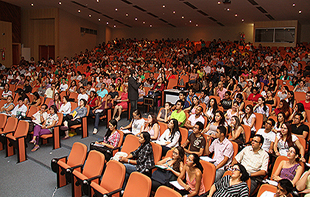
(12, 13)
(6, 43)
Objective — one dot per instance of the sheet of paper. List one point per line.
(126, 131)
(270, 182)
(208, 159)
(176, 185)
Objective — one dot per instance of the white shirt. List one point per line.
(136, 125)
(193, 120)
(283, 146)
(165, 137)
(82, 96)
(65, 108)
(268, 138)
(18, 108)
(63, 87)
(37, 117)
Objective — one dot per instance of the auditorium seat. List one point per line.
(55, 135)
(164, 191)
(208, 174)
(266, 187)
(248, 182)
(10, 127)
(138, 185)
(83, 124)
(130, 144)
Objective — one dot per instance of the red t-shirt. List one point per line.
(253, 97)
(306, 105)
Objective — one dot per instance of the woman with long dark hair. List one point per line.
(286, 139)
(192, 172)
(152, 127)
(211, 109)
(110, 141)
(171, 137)
(249, 118)
(218, 120)
(261, 107)
(283, 107)
(299, 109)
(171, 168)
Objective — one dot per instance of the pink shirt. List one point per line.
(221, 93)
(221, 149)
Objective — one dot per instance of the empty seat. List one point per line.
(10, 126)
(164, 191)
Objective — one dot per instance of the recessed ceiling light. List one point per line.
(32, 5)
(164, 6)
(59, 2)
(116, 9)
(236, 15)
(89, 15)
(114, 26)
(228, 9)
(126, 14)
(173, 12)
(196, 25)
(299, 11)
(218, 3)
(143, 22)
(79, 11)
(136, 19)
(107, 22)
(294, 4)
(242, 20)
(99, 19)
(151, 25)
(190, 21)
(182, 16)
(98, 1)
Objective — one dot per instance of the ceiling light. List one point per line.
(126, 14)
(107, 22)
(136, 19)
(32, 5)
(242, 20)
(89, 15)
(114, 26)
(151, 25)
(218, 3)
(143, 22)
(299, 11)
(164, 6)
(99, 19)
(115, 9)
(79, 11)
(236, 15)
(59, 2)
(182, 16)
(294, 4)
(173, 12)
(98, 1)
(228, 9)
(196, 25)
(190, 21)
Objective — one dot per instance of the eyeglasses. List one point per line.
(268, 123)
(234, 169)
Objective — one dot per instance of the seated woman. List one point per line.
(291, 99)
(171, 137)
(72, 87)
(232, 185)
(303, 184)
(74, 118)
(36, 100)
(283, 107)
(261, 107)
(141, 92)
(46, 128)
(123, 99)
(136, 124)
(20, 109)
(249, 119)
(270, 99)
(93, 100)
(65, 107)
(164, 113)
(8, 106)
(284, 189)
(55, 101)
(194, 105)
(286, 139)
(279, 123)
(218, 120)
(141, 160)
(173, 167)
(110, 141)
(101, 111)
(290, 169)
(299, 109)
(192, 172)
(237, 132)
(211, 109)
(6, 92)
(234, 111)
(152, 127)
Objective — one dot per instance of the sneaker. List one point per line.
(95, 131)
(72, 134)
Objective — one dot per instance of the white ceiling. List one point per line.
(164, 16)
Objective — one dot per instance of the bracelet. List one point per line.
(128, 161)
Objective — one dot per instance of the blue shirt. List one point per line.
(102, 93)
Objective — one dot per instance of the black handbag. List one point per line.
(163, 176)
(103, 149)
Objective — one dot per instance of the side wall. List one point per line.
(6, 43)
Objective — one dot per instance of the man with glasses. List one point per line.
(195, 141)
(298, 128)
(268, 135)
(254, 159)
(306, 102)
(223, 151)
(178, 113)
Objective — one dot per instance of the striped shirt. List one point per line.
(224, 189)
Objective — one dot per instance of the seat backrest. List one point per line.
(3, 119)
(184, 134)
(11, 124)
(172, 83)
(277, 163)
(308, 115)
(235, 146)
(113, 176)
(157, 151)
(88, 108)
(32, 110)
(162, 127)
(47, 101)
(120, 143)
(60, 118)
(2, 102)
(302, 142)
(73, 105)
(247, 132)
(208, 174)
(131, 143)
(22, 128)
(74, 96)
(77, 155)
(259, 121)
(141, 180)
(94, 164)
(164, 191)
(266, 187)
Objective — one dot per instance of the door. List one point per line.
(16, 53)
(46, 51)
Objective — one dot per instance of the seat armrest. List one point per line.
(114, 192)
(87, 181)
(74, 167)
(21, 137)
(4, 134)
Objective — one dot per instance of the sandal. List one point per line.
(35, 148)
(66, 137)
(32, 141)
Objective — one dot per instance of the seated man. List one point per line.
(178, 113)
(82, 95)
(204, 98)
(195, 141)
(226, 103)
(268, 135)
(223, 151)
(182, 97)
(190, 123)
(298, 128)
(191, 94)
(306, 102)
(254, 159)
(20, 109)
(103, 91)
(113, 92)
